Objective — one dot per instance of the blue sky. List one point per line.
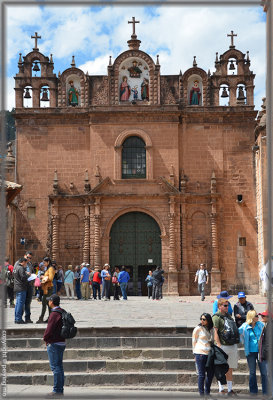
(175, 33)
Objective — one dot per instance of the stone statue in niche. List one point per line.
(73, 95)
(125, 89)
(134, 70)
(145, 89)
(195, 93)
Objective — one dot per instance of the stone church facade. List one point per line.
(140, 169)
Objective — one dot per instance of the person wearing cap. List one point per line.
(55, 345)
(106, 282)
(84, 282)
(241, 308)
(223, 295)
(203, 279)
(252, 331)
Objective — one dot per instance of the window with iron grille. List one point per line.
(133, 158)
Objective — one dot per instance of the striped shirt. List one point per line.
(201, 340)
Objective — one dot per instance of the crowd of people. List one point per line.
(215, 345)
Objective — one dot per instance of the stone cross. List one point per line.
(232, 36)
(36, 37)
(134, 22)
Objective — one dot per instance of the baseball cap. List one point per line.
(241, 295)
(55, 299)
(264, 313)
(224, 295)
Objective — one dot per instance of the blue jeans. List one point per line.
(106, 289)
(55, 355)
(123, 287)
(251, 360)
(20, 304)
(78, 289)
(201, 360)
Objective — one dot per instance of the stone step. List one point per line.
(72, 365)
(108, 354)
(106, 342)
(124, 378)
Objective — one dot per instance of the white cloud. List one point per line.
(175, 33)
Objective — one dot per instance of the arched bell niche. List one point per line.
(45, 96)
(241, 95)
(27, 96)
(232, 68)
(36, 68)
(73, 90)
(224, 95)
(195, 90)
(134, 80)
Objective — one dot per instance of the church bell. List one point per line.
(36, 67)
(224, 92)
(45, 95)
(231, 66)
(27, 94)
(241, 95)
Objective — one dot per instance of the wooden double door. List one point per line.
(135, 242)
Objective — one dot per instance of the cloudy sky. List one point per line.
(175, 33)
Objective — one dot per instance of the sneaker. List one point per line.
(28, 321)
(40, 321)
(231, 393)
(223, 392)
(20, 322)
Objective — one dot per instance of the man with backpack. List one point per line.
(226, 336)
(55, 344)
(203, 279)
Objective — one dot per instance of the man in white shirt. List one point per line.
(203, 277)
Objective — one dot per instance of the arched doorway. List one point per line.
(135, 243)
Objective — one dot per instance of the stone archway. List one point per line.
(135, 242)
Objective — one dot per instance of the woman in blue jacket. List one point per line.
(251, 331)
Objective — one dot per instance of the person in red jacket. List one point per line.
(55, 345)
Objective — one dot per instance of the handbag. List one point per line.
(114, 279)
(37, 282)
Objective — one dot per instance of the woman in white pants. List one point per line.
(68, 282)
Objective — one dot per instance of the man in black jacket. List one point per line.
(157, 280)
(55, 344)
(241, 308)
(20, 288)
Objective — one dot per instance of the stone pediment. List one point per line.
(134, 187)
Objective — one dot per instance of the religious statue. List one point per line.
(134, 70)
(195, 94)
(145, 89)
(135, 92)
(73, 95)
(125, 89)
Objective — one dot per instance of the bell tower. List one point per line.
(232, 81)
(35, 81)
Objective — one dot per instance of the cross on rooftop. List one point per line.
(36, 37)
(134, 22)
(232, 35)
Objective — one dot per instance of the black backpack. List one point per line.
(230, 333)
(69, 330)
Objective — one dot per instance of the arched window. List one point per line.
(133, 158)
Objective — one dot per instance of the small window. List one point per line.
(242, 241)
(31, 212)
(133, 158)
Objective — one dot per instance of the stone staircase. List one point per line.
(137, 358)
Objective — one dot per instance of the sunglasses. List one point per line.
(256, 316)
(225, 305)
(202, 319)
(29, 257)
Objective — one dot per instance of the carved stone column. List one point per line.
(55, 237)
(172, 274)
(86, 240)
(215, 270)
(185, 276)
(97, 247)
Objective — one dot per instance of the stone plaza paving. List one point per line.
(135, 312)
